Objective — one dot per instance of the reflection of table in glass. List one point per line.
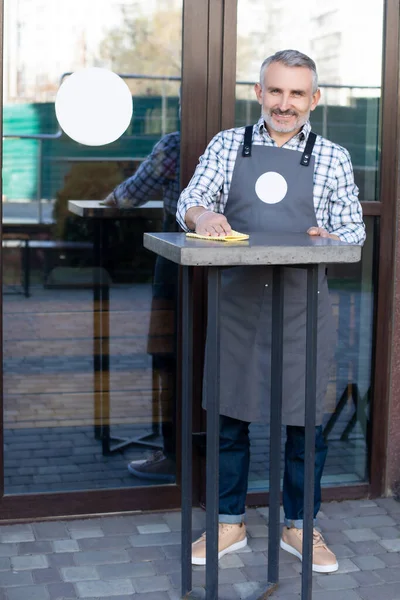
(295, 250)
(101, 217)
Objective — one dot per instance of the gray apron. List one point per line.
(271, 191)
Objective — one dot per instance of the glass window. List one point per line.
(89, 315)
(349, 64)
(348, 60)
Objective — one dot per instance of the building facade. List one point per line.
(91, 372)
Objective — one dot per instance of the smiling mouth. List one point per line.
(283, 116)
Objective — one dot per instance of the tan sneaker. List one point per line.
(230, 538)
(324, 561)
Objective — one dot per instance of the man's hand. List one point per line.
(319, 231)
(207, 222)
(109, 201)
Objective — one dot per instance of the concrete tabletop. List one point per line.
(260, 249)
(94, 209)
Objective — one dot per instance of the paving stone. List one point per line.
(372, 522)
(231, 561)
(247, 589)
(145, 554)
(28, 592)
(26, 563)
(63, 559)
(65, 546)
(61, 591)
(119, 525)
(389, 574)
(231, 576)
(52, 530)
(391, 545)
(153, 528)
(227, 592)
(101, 557)
(339, 595)
(367, 578)
(151, 596)
(364, 548)
(173, 551)
(341, 550)
(335, 537)
(126, 570)
(35, 548)
(257, 531)
(386, 591)
(168, 565)
(115, 541)
(155, 539)
(8, 549)
(5, 563)
(326, 525)
(387, 533)
(12, 578)
(368, 563)
(79, 534)
(360, 535)
(254, 559)
(256, 545)
(85, 524)
(337, 582)
(391, 559)
(389, 504)
(46, 575)
(104, 589)
(159, 583)
(74, 574)
(16, 537)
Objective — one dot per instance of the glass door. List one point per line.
(90, 322)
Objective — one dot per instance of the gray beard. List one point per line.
(285, 129)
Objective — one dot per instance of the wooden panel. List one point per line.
(389, 192)
(194, 86)
(371, 209)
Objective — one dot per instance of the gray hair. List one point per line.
(291, 58)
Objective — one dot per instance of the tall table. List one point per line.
(102, 216)
(278, 251)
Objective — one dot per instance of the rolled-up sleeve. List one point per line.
(207, 182)
(345, 212)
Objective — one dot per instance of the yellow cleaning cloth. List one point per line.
(234, 236)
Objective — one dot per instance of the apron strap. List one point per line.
(248, 138)
(305, 159)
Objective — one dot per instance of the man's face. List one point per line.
(286, 97)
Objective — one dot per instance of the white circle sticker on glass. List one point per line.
(94, 106)
(271, 187)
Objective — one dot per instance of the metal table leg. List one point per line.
(310, 422)
(212, 468)
(187, 383)
(275, 431)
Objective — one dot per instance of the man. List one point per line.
(273, 176)
(159, 173)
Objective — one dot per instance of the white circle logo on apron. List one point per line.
(271, 187)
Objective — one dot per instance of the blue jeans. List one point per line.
(234, 460)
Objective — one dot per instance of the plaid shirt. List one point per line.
(336, 203)
(159, 172)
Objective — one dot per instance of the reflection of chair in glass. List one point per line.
(21, 242)
(349, 379)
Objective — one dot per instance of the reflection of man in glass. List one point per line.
(159, 173)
